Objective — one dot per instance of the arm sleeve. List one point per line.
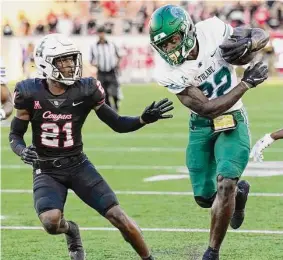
(120, 124)
(16, 136)
(174, 78)
(173, 88)
(220, 30)
(228, 30)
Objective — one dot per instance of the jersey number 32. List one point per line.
(219, 83)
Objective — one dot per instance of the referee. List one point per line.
(105, 57)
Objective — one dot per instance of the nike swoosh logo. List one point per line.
(12, 141)
(75, 104)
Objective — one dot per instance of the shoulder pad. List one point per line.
(26, 88)
(24, 92)
(86, 86)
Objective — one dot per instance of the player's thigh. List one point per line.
(48, 193)
(90, 187)
(200, 161)
(232, 150)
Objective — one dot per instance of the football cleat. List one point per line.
(74, 242)
(210, 255)
(241, 200)
(77, 255)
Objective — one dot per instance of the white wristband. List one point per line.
(269, 139)
(246, 84)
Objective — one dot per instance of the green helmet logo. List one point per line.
(166, 23)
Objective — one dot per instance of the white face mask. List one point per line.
(58, 67)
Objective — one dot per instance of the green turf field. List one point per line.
(125, 160)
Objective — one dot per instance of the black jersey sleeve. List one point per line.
(23, 96)
(98, 96)
(92, 88)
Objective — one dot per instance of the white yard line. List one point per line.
(268, 166)
(184, 230)
(176, 172)
(105, 167)
(127, 149)
(168, 193)
(143, 149)
(168, 135)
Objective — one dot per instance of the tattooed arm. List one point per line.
(277, 135)
(193, 98)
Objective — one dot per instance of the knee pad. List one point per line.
(205, 202)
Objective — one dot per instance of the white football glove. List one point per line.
(258, 148)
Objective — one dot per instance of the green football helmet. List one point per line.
(166, 22)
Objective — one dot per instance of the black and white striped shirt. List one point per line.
(105, 56)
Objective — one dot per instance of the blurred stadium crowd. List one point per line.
(131, 17)
(125, 23)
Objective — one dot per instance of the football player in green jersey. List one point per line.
(195, 62)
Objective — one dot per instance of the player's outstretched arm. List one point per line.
(19, 126)
(277, 135)
(247, 40)
(125, 124)
(194, 99)
(264, 142)
(7, 102)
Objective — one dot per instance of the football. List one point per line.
(245, 59)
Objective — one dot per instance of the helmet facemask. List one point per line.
(187, 43)
(66, 68)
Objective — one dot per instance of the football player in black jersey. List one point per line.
(57, 107)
